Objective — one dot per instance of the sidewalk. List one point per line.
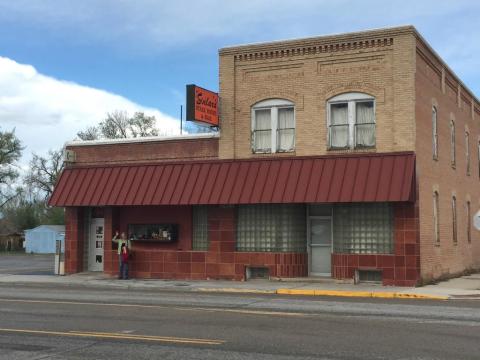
(466, 287)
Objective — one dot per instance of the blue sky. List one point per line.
(64, 64)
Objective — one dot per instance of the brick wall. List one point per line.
(309, 72)
(150, 151)
(402, 268)
(74, 239)
(178, 261)
(436, 86)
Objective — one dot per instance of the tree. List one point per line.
(44, 172)
(10, 152)
(119, 125)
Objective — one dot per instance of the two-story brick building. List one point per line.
(353, 155)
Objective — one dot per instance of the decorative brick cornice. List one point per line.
(309, 50)
(320, 44)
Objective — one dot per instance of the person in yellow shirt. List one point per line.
(120, 240)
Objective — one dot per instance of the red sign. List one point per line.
(202, 105)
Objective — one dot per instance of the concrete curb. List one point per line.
(341, 293)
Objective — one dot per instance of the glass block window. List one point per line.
(200, 228)
(272, 228)
(363, 228)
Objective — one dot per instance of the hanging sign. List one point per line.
(202, 105)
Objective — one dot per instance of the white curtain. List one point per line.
(263, 130)
(365, 124)
(339, 125)
(286, 129)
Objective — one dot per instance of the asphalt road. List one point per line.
(87, 323)
(26, 264)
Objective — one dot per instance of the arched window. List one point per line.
(453, 155)
(351, 121)
(273, 126)
(436, 220)
(454, 219)
(434, 133)
(467, 151)
(469, 222)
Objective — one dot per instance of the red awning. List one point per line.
(355, 178)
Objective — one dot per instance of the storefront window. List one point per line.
(200, 228)
(272, 228)
(363, 228)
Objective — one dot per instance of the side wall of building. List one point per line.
(308, 73)
(436, 86)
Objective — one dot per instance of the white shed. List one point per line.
(42, 239)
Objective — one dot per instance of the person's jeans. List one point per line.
(123, 270)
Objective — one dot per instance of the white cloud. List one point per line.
(47, 112)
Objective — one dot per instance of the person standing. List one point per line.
(124, 262)
(122, 240)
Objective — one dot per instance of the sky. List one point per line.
(64, 64)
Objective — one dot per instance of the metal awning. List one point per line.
(326, 179)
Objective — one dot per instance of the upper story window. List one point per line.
(453, 155)
(454, 219)
(434, 133)
(351, 121)
(469, 222)
(436, 220)
(467, 151)
(478, 151)
(273, 126)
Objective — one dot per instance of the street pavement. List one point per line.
(58, 322)
(93, 316)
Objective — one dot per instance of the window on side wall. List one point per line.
(273, 126)
(467, 151)
(469, 222)
(436, 220)
(454, 220)
(453, 155)
(351, 121)
(434, 133)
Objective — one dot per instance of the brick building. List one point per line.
(353, 155)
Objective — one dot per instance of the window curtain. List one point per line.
(339, 125)
(365, 124)
(286, 129)
(262, 130)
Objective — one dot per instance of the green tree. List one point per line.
(10, 152)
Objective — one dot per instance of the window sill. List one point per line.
(283, 153)
(349, 150)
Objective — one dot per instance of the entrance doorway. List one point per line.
(95, 256)
(320, 245)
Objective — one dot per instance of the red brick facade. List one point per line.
(178, 261)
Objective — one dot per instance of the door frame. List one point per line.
(92, 246)
(309, 247)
